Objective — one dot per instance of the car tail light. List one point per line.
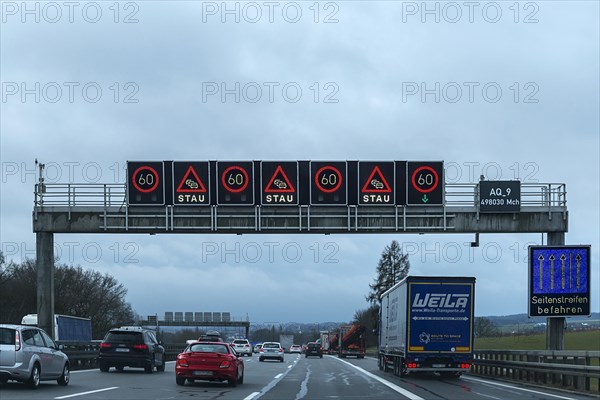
(17, 341)
(225, 364)
(280, 350)
(182, 362)
(261, 350)
(140, 347)
(465, 366)
(246, 345)
(412, 365)
(320, 348)
(105, 345)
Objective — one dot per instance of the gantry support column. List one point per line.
(44, 244)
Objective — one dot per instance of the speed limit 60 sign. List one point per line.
(328, 183)
(425, 183)
(145, 183)
(235, 183)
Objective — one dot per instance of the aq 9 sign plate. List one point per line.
(145, 183)
(328, 183)
(499, 196)
(235, 183)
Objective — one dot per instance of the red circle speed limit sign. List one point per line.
(425, 183)
(328, 179)
(425, 179)
(235, 179)
(145, 179)
(145, 183)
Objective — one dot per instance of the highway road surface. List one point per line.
(296, 378)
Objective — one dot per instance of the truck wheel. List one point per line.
(104, 367)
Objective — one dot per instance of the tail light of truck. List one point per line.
(411, 365)
(17, 341)
(140, 346)
(465, 366)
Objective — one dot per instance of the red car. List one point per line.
(209, 361)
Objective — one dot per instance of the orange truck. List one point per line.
(351, 341)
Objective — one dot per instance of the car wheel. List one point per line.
(161, 367)
(65, 377)
(321, 356)
(104, 367)
(261, 359)
(180, 381)
(34, 380)
(232, 382)
(150, 367)
(281, 359)
(3, 380)
(241, 378)
(120, 368)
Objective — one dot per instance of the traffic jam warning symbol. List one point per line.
(279, 181)
(425, 183)
(373, 183)
(235, 183)
(145, 184)
(190, 181)
(328, 183)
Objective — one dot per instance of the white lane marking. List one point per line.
(290, 366)
(251, 396)
(468, 378)
(84, 393)
(396, 388)
(487, 395)
(278, 376)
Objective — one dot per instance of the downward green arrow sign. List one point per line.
(425, 199)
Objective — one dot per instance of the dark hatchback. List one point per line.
(131, 347)
(313, 349)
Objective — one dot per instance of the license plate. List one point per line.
(122, 350)
(439, 365)
(203, 373)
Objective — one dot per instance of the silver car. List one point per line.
(29, 355)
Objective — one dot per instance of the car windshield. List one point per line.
(208, 348)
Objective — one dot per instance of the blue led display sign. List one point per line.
(559, 281)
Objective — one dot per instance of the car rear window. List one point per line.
(124, 337)
(7, 336)
(271, 346)
(208, 348)
(240, 341)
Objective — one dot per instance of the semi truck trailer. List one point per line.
(426, 325)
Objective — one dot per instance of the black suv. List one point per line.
(131, 346)
(313, 349)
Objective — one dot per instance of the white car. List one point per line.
(242, 346)
(296, 348)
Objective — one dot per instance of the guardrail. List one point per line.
(574, 370)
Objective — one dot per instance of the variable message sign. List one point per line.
(235, 183)
(279, 183)
(145, 183)
(328, 183)
(191, 182)
(425, 183)
(559, 281)
(376, 183)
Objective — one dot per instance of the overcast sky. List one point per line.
(505, 89)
